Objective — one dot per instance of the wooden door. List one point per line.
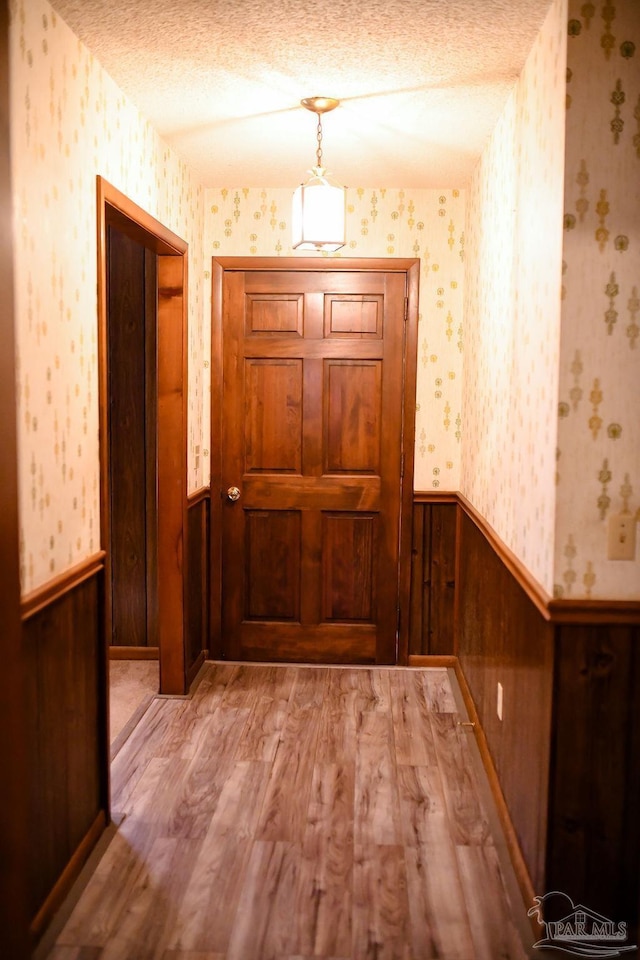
(132, 390)
(312, 438)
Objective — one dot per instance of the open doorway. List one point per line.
(142, 362)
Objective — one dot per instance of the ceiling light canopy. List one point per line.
(319, 206)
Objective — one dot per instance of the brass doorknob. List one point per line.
(233, 494)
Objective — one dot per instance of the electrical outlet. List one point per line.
(622, 537)
(499, 702)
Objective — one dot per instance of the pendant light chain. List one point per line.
(319, 139)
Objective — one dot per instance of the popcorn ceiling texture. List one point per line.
(222, 82)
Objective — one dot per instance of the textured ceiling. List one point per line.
(421, 82)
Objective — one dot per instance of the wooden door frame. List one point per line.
(14, 796)
(115, 209)
(408, 266)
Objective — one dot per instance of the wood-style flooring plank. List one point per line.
(380, 904)
(75, 953)
(191, 955)
(377, 819)
(264, 926)
(212, 686)
(438, 692)
(437, 906)
(284, 810)
(467, 818)
(412, 731)
(337, 722)
(262, 732)
(154, 903)
(291, 813)
(493, 931)
(423, 810)
(323, 902)
(218, 873)
(105, 897)
(143, 745)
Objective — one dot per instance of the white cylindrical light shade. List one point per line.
(318, 217)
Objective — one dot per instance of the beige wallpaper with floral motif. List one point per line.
(382, 223)
(492, 278)
(512, 310)
(598, 468)
(69, 123)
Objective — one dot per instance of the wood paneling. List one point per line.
(594, 830)
(433, 579)
(14, 839)
(67, 734)
(503, 639)
(198, 613)
(565, 758)
(131, 302)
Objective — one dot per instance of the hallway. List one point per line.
(294, 812)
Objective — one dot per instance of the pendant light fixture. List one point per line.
(319, 206)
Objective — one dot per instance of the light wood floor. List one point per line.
(132, 686)
(287, 813)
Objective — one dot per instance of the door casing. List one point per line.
(115, 209)
(411, 268)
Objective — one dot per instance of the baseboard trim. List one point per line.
(520, 868)
(515, 853)
(67, 878)
(437, 660)
(134, 653)
(196, 667)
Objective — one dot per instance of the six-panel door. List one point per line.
(311, 436)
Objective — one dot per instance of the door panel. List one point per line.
(353, 397)
(272, 564)
(348, 566)
(273, 393)
(131, 292)
(311, 434)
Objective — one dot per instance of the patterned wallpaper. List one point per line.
(512, 310)
(491, 254)
(69, 123)
(382, 223)
(598, 469)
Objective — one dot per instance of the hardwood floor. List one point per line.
(291, 812)
(132, 686)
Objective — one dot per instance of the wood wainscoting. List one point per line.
(66, 659)
(198, 582)
(67, 735)
(565, 758)
(433, 578)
